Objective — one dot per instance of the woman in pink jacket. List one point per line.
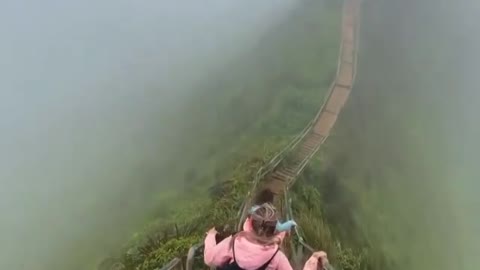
(255, 249)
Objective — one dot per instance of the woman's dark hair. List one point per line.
(264, 221)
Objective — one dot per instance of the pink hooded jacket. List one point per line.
(249, 256)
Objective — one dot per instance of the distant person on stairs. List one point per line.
(264, 196)
(255, 249)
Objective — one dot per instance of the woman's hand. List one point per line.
(319, 257)
(212, 231)
(322, 257)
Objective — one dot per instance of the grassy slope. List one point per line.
(238, 119)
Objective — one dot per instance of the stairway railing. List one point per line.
(287, 150)
(297, 240)
(307, 159)
(175, 264)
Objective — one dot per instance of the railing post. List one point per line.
(190, 257)
(176, 263)
(299, 257)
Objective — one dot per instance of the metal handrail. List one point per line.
(298, 233)
(176, 262)
(307, 159)
(288, 201)
(191, 255)
(280, 156)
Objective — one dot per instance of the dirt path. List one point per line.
(285, 175)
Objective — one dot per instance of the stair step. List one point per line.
(277, 175)
(304, 153)
(284, 174)
(309, 146)
(278, 179)
(276, 186)
(297, 162)
(317, 136)
(311, 143)
(306, 150)
(291, 171)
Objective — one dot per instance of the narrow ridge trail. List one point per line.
(283, 176)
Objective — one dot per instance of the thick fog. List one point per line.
(412, 133)
(86, 91)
